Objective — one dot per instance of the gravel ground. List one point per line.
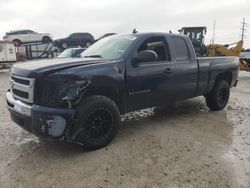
(183, 146)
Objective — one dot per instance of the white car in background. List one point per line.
(27, 36)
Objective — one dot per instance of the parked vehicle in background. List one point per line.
(27, 36)
(71, 52)
(81, 99)
(7, 53)
(105, 35)
(75, 39)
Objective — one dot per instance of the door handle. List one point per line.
(167, 71)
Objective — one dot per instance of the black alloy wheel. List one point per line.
(98, 123)
(218, 98)
(98, 120)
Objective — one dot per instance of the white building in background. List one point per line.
(7, 52)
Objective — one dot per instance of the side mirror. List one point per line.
(145, 56)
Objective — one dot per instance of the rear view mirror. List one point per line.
(145, 56)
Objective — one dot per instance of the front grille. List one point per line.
(22, 88)
(22, 94)
(20, 81)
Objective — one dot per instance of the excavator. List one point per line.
(197, 36)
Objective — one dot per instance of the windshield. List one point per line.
(71, 53)
(195, 36)
(112, 47)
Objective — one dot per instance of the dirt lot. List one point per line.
(182, 146)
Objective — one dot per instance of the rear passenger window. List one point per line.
(19, 33)
(181, 49)
(22, 32)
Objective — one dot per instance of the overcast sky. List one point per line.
(61, 17)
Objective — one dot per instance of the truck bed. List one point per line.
(209, 67)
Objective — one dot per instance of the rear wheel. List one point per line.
(87, 44)
(218, 98)
(46, 39)
(98, 122)
(17, 41)
(64, 45)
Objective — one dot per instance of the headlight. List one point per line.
(72, 91)
(59, 93)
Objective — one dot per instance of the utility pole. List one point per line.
(213, 37)
(243, 29)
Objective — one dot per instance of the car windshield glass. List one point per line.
(112, 47)
(66, 53)
(71, 52)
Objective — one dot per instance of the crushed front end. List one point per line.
(44, 106)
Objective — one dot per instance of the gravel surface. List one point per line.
(185, 145)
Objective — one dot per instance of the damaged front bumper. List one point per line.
(42, 121)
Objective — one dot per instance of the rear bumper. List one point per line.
(41, 121)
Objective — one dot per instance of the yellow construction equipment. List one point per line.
(197, 36)
(245, 64)
(224, 50)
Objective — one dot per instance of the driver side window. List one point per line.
(72, 36)
(158, 45)
(29, 32)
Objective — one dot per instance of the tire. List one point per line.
(98, 122)
(218, 98)
(17, 41)
(87, 44)
(46, 39)
(64, 45)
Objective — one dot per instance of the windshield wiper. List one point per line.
(94, 56)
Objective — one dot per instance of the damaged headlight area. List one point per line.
(59, 92)
(73, 91)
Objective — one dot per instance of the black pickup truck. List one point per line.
(80, 100)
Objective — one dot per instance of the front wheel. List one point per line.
(218, 98)
(87, 44)
(98, 120)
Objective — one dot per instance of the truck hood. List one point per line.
(38, 68)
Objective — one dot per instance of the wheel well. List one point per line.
(16, 40)
(107, 92)
(227, 76)
(44, 37)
